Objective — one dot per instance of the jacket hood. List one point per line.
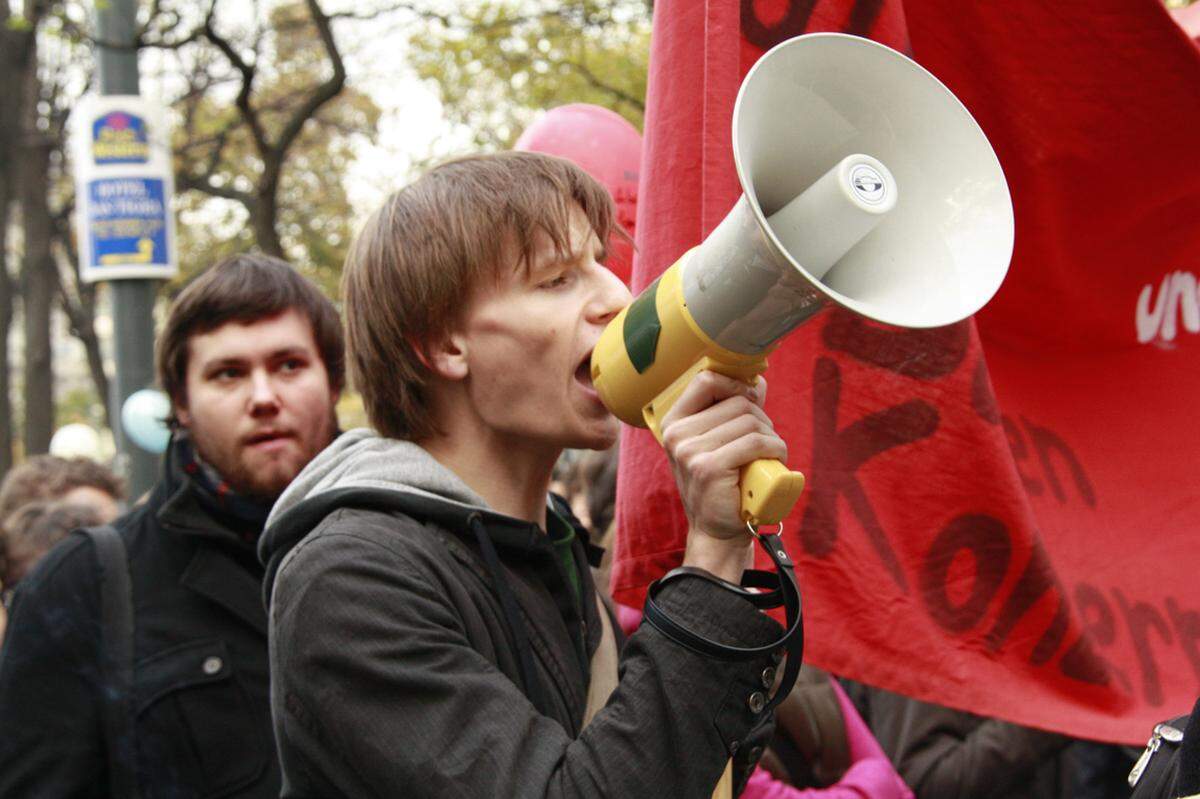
(377, 472)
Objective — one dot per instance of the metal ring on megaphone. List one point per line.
(759, 536)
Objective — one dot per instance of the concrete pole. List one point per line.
(132, 301)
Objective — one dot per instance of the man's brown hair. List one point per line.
(244, 289)
(48, 477)
(34, 528)
(45, 477)
(412, 267)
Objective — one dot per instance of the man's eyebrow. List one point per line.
(221, 362)
(568, 256)
(283, 352)
(239, 360)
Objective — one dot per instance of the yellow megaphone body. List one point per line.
(867, 185)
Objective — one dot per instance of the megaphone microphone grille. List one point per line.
(820, 226)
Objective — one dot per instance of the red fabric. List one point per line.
(1015, 534)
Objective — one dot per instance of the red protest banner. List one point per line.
(1000, 515)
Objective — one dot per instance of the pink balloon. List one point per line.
(608, 148)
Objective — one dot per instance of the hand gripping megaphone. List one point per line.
(865, 184)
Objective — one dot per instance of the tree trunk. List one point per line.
(12, 44)
(82, 316)
(37, 276)
(78, 301)
(6, 314)
(266, 209)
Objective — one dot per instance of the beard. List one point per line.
(259, 475)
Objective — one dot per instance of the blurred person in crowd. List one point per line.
(945, 753)
(251, 358)
(473, 300)
(35, 527)
(80, 481)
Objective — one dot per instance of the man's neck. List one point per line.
(511, 476)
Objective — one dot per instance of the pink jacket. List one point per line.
(870, 775)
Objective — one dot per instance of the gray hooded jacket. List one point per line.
(423, 645)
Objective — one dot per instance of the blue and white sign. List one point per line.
(123, 190)
(127, 223)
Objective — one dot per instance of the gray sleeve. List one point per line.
(378, 692)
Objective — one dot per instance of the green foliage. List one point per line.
(80, 405)
(498, 64)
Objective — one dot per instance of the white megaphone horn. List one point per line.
(866, 185)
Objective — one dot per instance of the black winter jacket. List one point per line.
(395, 673)
(202, 725)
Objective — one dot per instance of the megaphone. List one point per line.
(866, 185)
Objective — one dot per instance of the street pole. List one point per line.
(132, 301)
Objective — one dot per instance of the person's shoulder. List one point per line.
(69, 564)
(56, 603)
(352, 533)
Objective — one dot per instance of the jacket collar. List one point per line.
(222, 567)
(191, 508)
(214, 574)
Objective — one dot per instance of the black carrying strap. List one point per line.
(116, 636)
(533, 686)
(784, 592)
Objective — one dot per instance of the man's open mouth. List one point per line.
(583, 373)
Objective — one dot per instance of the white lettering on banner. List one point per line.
(1178, 301)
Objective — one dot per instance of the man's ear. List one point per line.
(447, 357)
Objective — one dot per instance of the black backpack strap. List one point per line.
(116, 636)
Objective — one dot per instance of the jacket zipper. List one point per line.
(1162, 732)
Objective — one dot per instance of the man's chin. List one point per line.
(598, 435)
(266, 481)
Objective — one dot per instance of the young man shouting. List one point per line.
(435, 631)
(251, 356)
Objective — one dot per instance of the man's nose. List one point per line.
(611, 297)
(264, 399)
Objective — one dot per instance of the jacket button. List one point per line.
(756, 754)
(757, 702)
(734, 746)
(212, 665)
(768, 677)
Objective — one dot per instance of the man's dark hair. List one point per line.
(244, 289)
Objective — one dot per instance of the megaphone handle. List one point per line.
(769, 489)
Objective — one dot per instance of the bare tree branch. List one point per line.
(596, 83)
(204, 185)
(323, 93)
(247, 72)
